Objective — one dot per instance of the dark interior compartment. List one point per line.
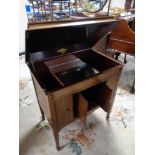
(75, 74)
(75, 105)
(69, 69)
(45, 39)
(49, 82)
(54, 52)
(65, 70)
(96, 60)
(98, 95)
(93, 95)
(43, 76)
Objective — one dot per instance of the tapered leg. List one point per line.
(116, 57)
(84, 120)
(125, 61)
(42, 114)
(108, 116)
(56, 136)
(133, 87)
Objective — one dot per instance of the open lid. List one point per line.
(46, 40)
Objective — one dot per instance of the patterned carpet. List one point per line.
(114, 137)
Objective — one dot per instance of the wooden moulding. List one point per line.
(45, 25)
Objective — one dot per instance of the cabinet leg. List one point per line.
(58, 148)
(133, 87)
(42, 114)
(56, 136)
(84, 120)
(117, 55)
(108, 116)
(125, 61)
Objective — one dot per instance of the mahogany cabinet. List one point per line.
(70, 78)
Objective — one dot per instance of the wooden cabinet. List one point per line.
(73, 101)
(74, 80)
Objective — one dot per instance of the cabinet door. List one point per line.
(82, 109)
(64, 111)
(105, 98)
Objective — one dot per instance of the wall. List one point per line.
(22, 25)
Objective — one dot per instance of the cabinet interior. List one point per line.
(98, 95)
(61, 71)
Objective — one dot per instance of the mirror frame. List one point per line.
(93, 11)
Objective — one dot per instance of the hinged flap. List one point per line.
(57, 40)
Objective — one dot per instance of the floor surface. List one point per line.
(114, 137)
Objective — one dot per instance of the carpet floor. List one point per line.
(113, 137)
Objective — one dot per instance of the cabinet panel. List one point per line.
(42, 99)
(82, 109)
(64, 110)
(105, 98)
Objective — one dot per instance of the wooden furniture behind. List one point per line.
(70, 78)
(122, 40)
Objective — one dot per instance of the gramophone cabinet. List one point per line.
(71, 79)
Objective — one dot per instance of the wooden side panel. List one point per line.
(109, 91)
(122, 38)
(54, 120)
(125, 47)
(82, 109)
(123, 32)
(106, 95)
(64, 110)
(112, 83)
(42, 99)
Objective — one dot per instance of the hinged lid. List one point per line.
(52, 39)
